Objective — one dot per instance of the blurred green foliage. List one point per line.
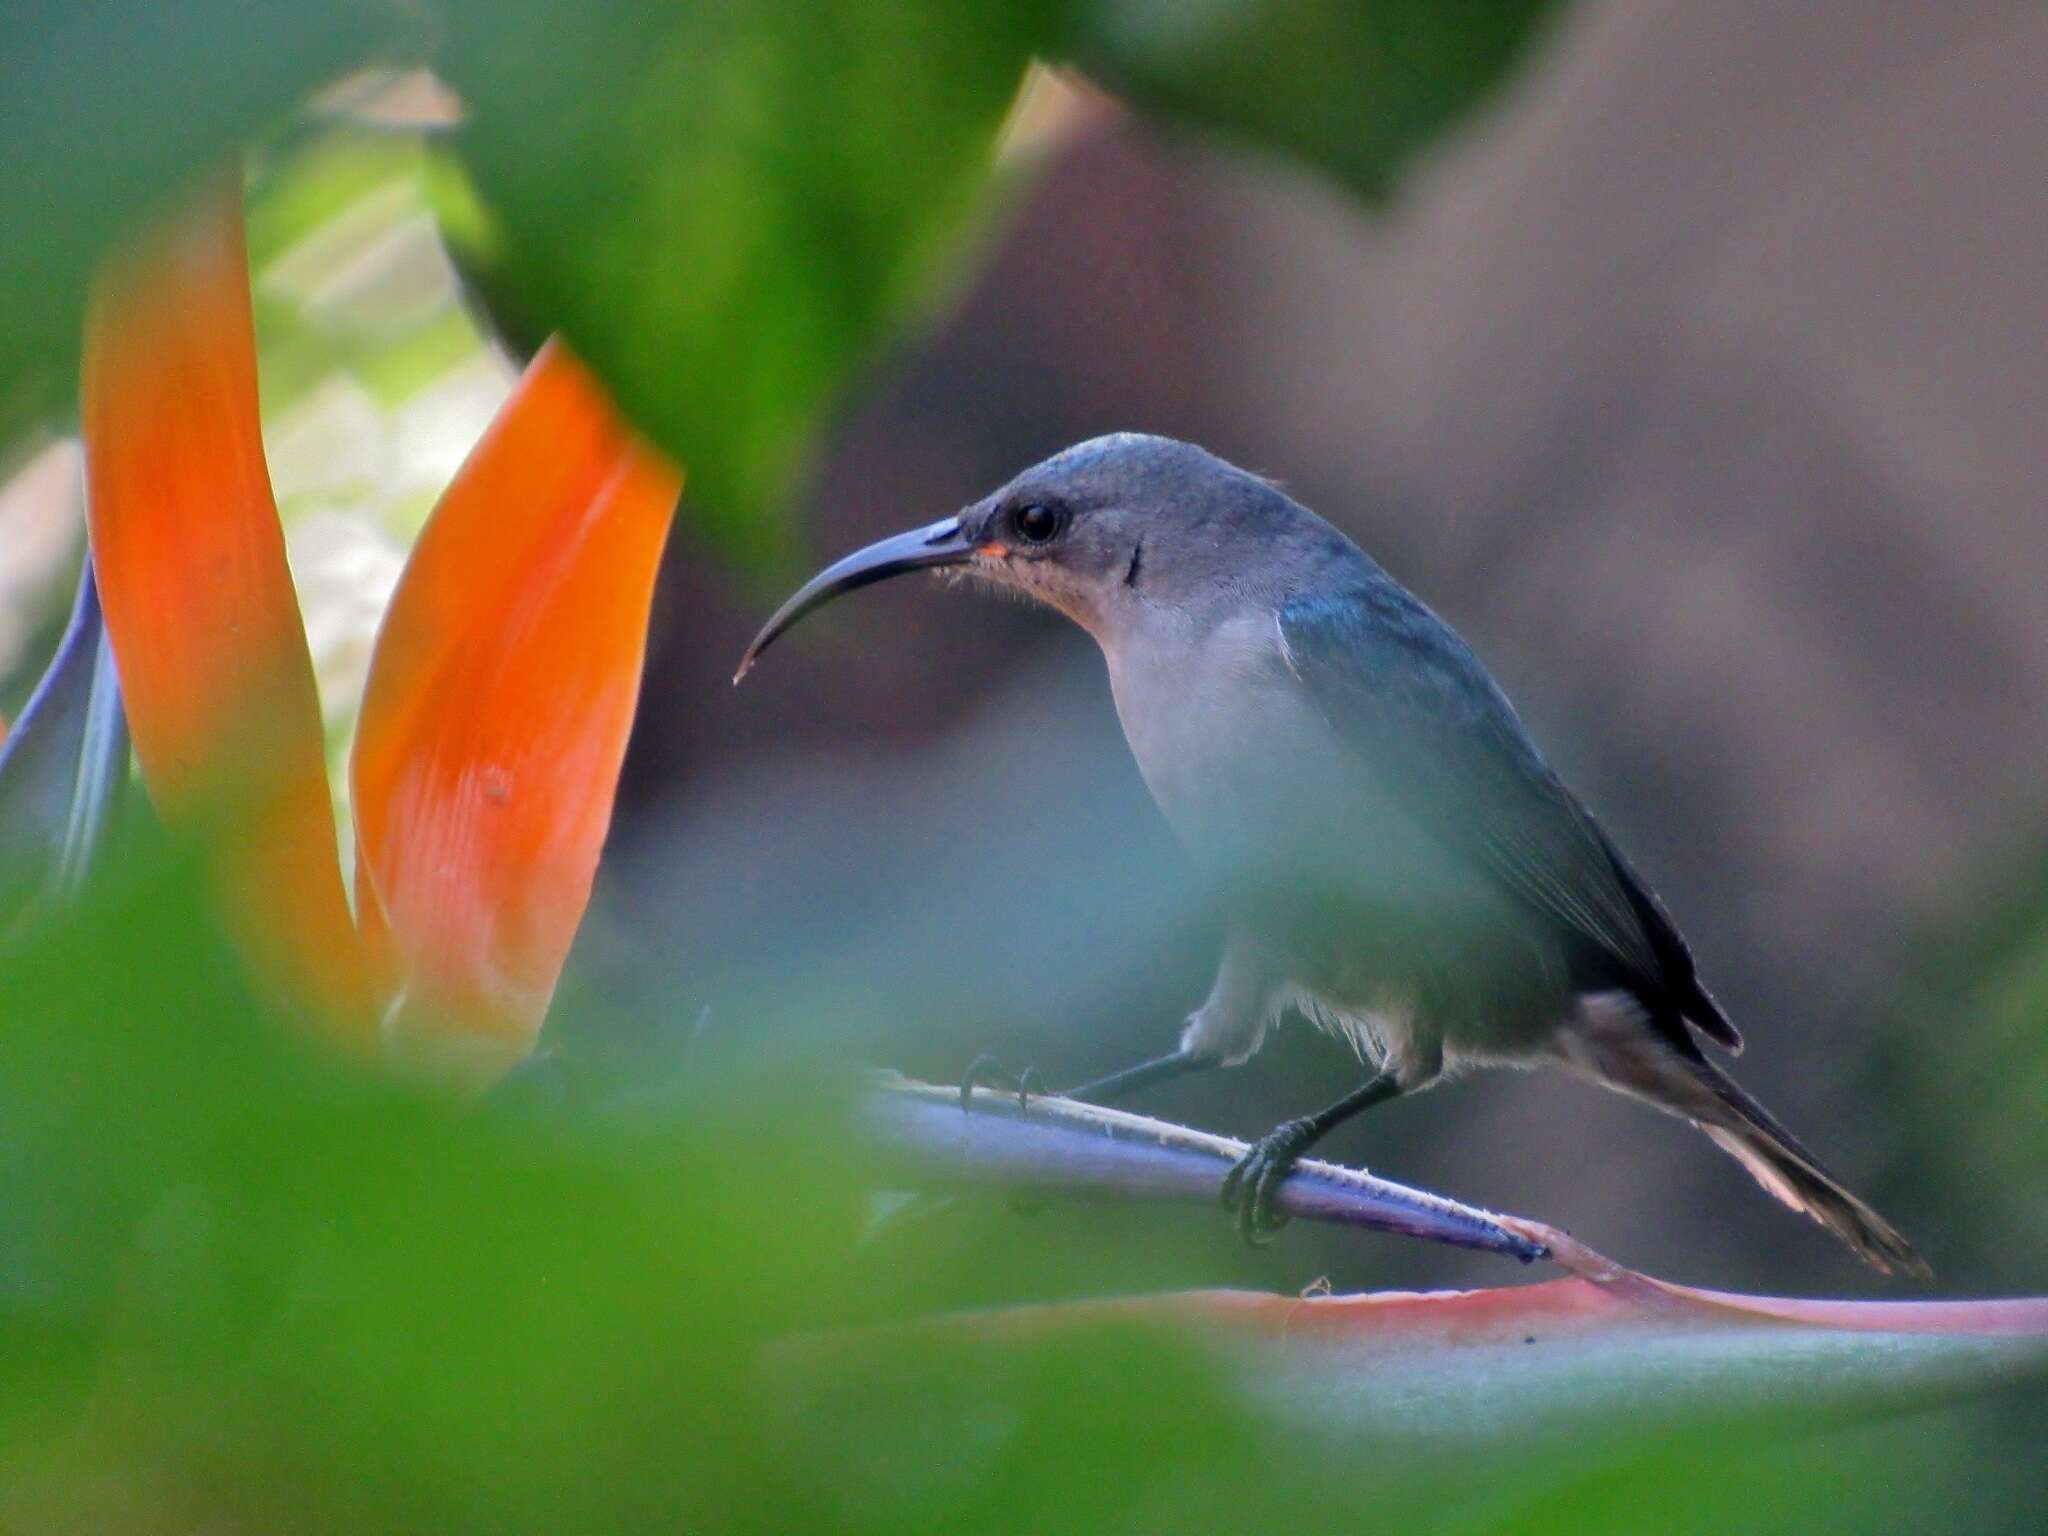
(1969, 1038)
(727, 207)
(350, 1304)
(246, 1285)
(1353, 89)
(721, 204)
(107, 111)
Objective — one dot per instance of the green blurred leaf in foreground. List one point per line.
(1975, 1151)
(106, 112)
(239, 1278)
(1355, 89)
(1057, 1419)
(244, 1286)
(725, 207)
(722, 205)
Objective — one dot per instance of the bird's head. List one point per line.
(1106, 531)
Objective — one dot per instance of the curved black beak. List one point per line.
(943, 543)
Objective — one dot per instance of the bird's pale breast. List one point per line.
(1359, 902)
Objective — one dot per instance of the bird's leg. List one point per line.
(1222, 1032)
(1160, 1069)
(987, 1071)
(1255, 1178)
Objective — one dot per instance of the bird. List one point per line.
(1396, 860)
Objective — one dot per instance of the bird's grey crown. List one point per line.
(1216, 539)
(1160, 476)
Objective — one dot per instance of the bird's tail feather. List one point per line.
(1775, 1159)
(1640, 1063)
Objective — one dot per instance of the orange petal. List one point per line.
(495, 720)
(199, 601)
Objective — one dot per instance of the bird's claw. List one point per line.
(1254, 1181)
(987, 1072)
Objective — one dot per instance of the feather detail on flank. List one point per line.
(1390, 1037)
(1374, 1037)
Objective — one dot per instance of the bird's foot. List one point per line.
(987, 1072)
(1254, 1179)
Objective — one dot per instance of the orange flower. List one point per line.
(199, 603)
(500, 697)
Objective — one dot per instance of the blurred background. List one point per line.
(1696, 377)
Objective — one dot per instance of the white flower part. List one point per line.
(332, 445)
(345, 567)
(42, 519)
(437, 427)
(376, 266)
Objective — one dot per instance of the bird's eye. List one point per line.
(1036, 523)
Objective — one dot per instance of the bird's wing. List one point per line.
(1417, 707)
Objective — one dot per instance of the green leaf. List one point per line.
(1356, 89)
(106, 112)
(241, 1281)
(724, 206)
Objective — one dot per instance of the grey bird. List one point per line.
(1399, 863)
